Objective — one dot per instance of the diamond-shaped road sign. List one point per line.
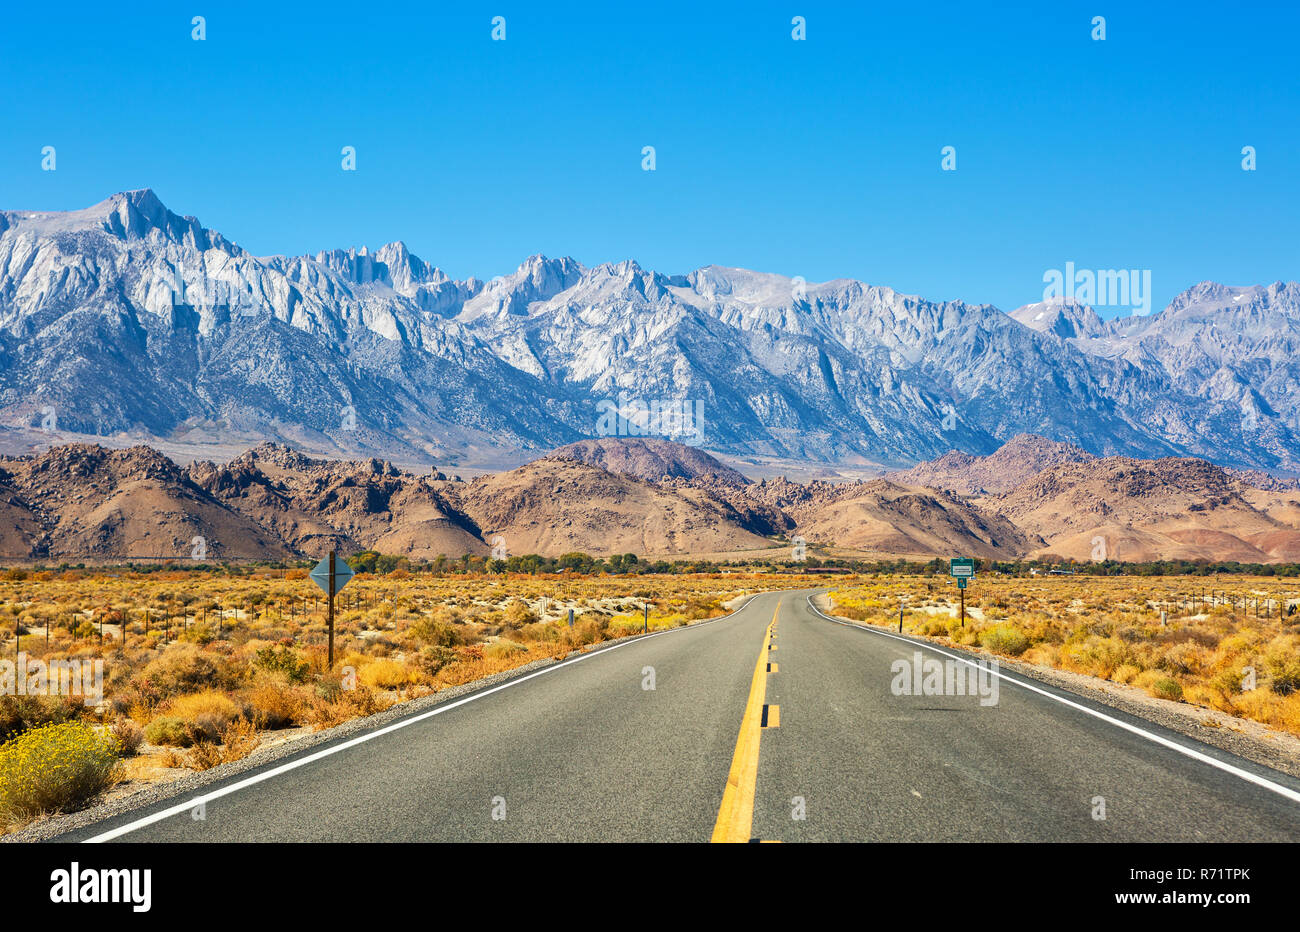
(321, 574)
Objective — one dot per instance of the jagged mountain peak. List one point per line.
(137, 208)
(537, 278)
(392, 264)
(123, 317)
(539, 264)
(127, 215)
(1210, 297)
(1062, 317)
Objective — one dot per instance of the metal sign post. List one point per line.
(331, 574)
(962, 569)
(332, 585)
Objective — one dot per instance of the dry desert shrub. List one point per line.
(439, 630)
(1281, 663)
(237, 740)
(192, 719)
(184, 668)
(518, 613)
(55, 768)
(386, 674)
(503, 649)
(129, 735)
(23, 713)
(544, 631)
(273, 706)
(1004, 639)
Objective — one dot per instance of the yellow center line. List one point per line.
(736, 814)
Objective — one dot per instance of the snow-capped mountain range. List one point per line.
(125, 317)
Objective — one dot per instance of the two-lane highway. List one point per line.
(776, 723)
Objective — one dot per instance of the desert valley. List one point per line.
(572, 424)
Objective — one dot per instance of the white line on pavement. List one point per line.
(371, 735)
(1118, 723)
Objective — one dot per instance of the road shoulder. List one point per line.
(1247, 739)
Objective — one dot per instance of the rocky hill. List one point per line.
(86, 502)
(1133, 510)
(1019, 459)
(648, 458)
(82, 501)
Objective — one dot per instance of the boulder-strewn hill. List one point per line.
(888, 518)
(554, 506)
(315, 505)
(126, 317)
(1135, 510)
(1019, 459)
(82, 501)
(648, 458)
(86, 501)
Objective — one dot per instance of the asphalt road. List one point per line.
(823, 748)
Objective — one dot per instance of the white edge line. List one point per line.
(371, 735)
(1246, 775)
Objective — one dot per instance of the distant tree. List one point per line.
(577, 561)
(364, 562)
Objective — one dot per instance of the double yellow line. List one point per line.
(736, 814)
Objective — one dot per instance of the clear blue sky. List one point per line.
(818, 158)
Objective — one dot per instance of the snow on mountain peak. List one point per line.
(1064, 317)
(127, 215)
(784, 367)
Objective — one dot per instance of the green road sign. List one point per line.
(961, 582)
(961, 568)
